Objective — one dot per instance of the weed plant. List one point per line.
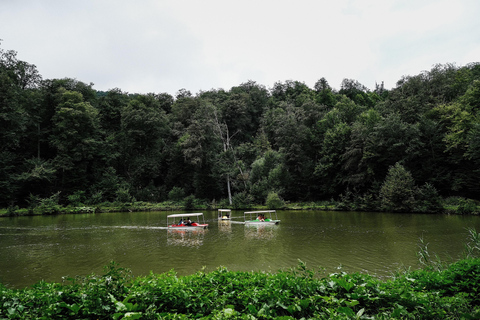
(437, 291)
(294, 294)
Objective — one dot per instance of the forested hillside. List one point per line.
(419, 140)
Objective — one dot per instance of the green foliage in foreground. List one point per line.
(450, 293)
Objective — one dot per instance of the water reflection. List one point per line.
(225, 226)
(186, 238)
(260, 232)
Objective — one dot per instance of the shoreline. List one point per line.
(177, 206)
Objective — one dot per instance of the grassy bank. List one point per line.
(300, 293)
(455, 206)
(148, 206)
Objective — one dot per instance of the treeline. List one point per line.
(399, 149)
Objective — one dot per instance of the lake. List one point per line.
(50, 247)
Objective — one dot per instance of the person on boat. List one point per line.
(261, 217)
(180, 222)
(189, 222)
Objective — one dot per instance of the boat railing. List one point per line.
(224, 214)
(255, 214)
(199, 216)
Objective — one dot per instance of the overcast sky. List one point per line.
(165, 45)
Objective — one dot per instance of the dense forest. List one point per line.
(397, 149)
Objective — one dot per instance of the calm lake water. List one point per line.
(49, 247)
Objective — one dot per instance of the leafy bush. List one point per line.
(466, 206)
(123, 195)
(242, 200)
(273, 201)
(355, 201)
(176, 194)
(189, 202)
(150, 193)
(12, 210)
(49, 205)
(451, 293)
(95, 198)
(77, 198)
(427, 199)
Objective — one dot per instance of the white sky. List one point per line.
(166, 45)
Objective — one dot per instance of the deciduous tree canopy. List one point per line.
(299, 143)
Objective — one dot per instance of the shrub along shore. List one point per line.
(50, 206)
(446, 292)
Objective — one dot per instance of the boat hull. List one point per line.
(262, 223)
(184, 227)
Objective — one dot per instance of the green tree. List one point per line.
(144, 129)
(269, 174)
(18, 100)
(325, 95)
(75, 138)
(256, 99)
(358, 171)
(398, 190)
(392, 140)
(328, 168)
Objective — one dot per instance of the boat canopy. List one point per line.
(181, 215)
(264, 211)
(270, 219)
(224, 210)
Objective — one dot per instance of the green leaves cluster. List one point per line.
(61, 136)
(298, 293)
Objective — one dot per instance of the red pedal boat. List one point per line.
(186, 221)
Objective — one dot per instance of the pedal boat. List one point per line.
(198, 223)
(224, 214)
(266, 217)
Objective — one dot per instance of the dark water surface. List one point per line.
(49, 247)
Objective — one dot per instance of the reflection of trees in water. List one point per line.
(186, 238)
(224, 226)
(261, 232)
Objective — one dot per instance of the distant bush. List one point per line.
(274, 201)
(242, 200)
(123, 195)
(189, 202)
(12, 210)
(45, 205)
(176, 194)
(77, 198)
(427, 199)
(467, 206)
(95, 198)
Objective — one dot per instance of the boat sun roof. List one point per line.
(179, 215)
(264, 211)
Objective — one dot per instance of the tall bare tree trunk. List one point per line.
(229, 192)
